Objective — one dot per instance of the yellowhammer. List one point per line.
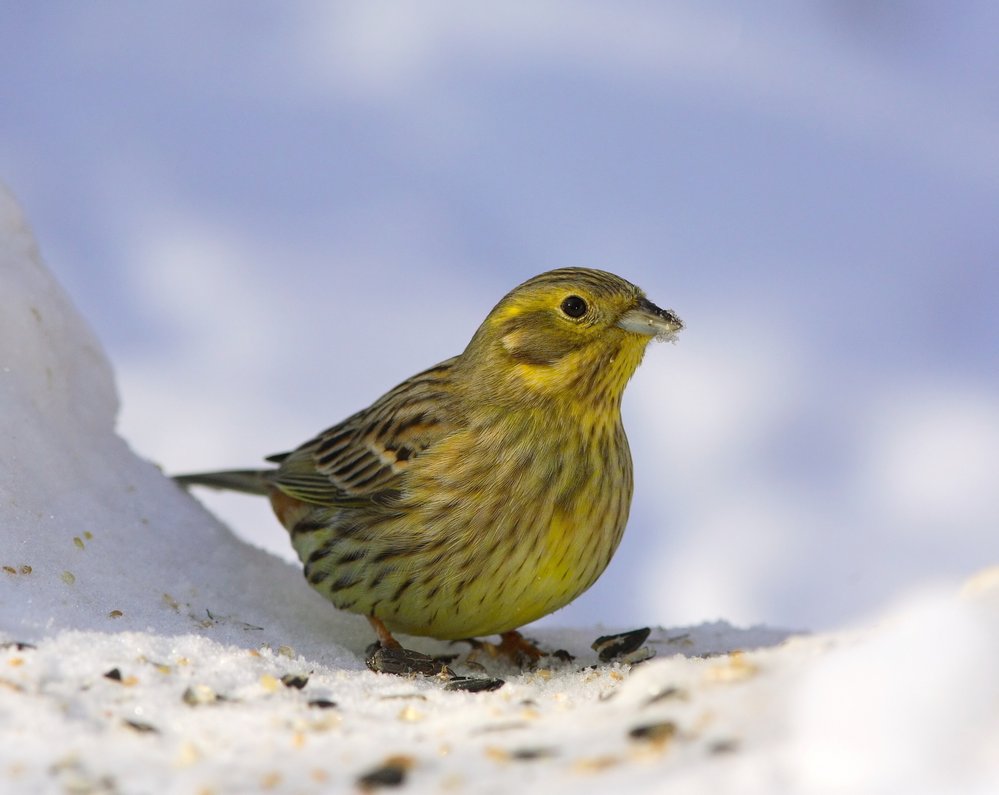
(487, 491)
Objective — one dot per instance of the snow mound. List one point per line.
(145, 648)
(94, 537)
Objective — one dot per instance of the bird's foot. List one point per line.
(514, 648)
(388, 656)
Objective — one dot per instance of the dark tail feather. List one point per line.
(250, 481)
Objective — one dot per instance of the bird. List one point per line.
(484, 492)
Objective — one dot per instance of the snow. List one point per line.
(144, 647)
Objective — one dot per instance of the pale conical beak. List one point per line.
(648, 319)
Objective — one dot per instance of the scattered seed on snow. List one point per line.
(391, 773)
(199, 694)
(297, 681)
(474, 684)
(669, 692)
(17, 645)
(719, 747)
(188, 755)
(115, 676)
(142, 728)
(637, 656)
(657, 733)
(610, 647)
(596, 764)
(531, 754)
(734, 668)
(403, 662)
(410, 714)
(499, 727)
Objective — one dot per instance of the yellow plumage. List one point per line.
(489, 490)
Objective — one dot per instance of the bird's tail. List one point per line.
(249, 481)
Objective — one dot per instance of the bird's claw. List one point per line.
(515, 649)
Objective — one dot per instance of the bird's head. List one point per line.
(574, 333)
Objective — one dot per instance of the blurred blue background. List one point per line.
(272, 212)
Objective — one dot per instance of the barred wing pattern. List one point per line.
(363, 456)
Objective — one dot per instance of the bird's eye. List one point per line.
(574, 306)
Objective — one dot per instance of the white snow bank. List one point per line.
(158, 644)
(95, 538)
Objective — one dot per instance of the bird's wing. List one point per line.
(365, 455)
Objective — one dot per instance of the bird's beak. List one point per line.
(649, 320)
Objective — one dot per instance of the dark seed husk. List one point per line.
(530, 754)
(719, 747)
(474, 684)
(142, 728)
(199, 695)
(669, 692)
(610, 647)
(297, 681)
(17, 645)
(403, 662)
(654, 732)
(636, 657)
(390, 774)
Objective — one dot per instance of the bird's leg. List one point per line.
(384, 636)
(388, 656)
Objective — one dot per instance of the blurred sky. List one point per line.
(273, 212)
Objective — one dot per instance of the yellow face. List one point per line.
(574, 332)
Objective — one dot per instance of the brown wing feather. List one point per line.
(366, 453)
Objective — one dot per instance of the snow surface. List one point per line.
(144, 645)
